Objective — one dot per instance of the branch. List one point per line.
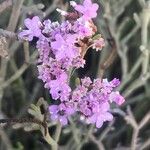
(136, 127)
(51, 8)
(98, 143)
(26, 51)
(15, 15)
(8, 34)
(145, 20)
(18, 73)
(145, 145)
(105, 65)
(106, 131)
(5, 4)
(58, 132)
(75, 132)
(136, 84)
(21, 120)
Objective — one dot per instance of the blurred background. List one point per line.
(125, 26)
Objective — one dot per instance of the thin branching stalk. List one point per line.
(57, 132)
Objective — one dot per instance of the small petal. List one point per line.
(117, 98)
(53, 109)
(63, 120)
(99, 123)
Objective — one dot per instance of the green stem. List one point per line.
(57, 132)
(144, 36)
(75, 132)
(49, 139)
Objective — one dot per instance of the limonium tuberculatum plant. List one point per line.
(62, 47)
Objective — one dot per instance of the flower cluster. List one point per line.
(91, 99)
(61, 47)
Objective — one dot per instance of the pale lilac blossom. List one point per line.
(88, 9)
(100, 115)
(117, 98)
(33, 25)
(61, 113)
(60, 51)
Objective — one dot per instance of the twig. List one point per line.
(8, 34)
(3, 47)
(131, 120)
(145, 20)
(74, 131)
(32, 98)
(135, 99)
(89, 132)
(15, 15)
(131, 73)
(132, 32)
(136, 127)
(134, 139)
(135, 85)
(98, 143)
(5, 139)
(21, 120)
(11, 27)
(107, 63)
(51, 8)
(26, 51)
(57, 132)
(103, 66)
(18, 73)
(106, 131)
(142, 3)
(35, 9)
(49, 139)
(5, 4)
(144, 121)
(145, 144)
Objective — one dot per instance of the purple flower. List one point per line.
(59, 43)
(117, 98)
(94, 102)
(86, 81)
(59, 87)
(61, 113)
(78, 93)
(34, 30)
(97, 84)
(64, 47)
(44, 73)
(100, 115)
(44, 49)
(115, 82)
(83, 28)
(61, 47)
(88, 9)
(84, 109)
(107, 87)
(78, 62)
(47, 26)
